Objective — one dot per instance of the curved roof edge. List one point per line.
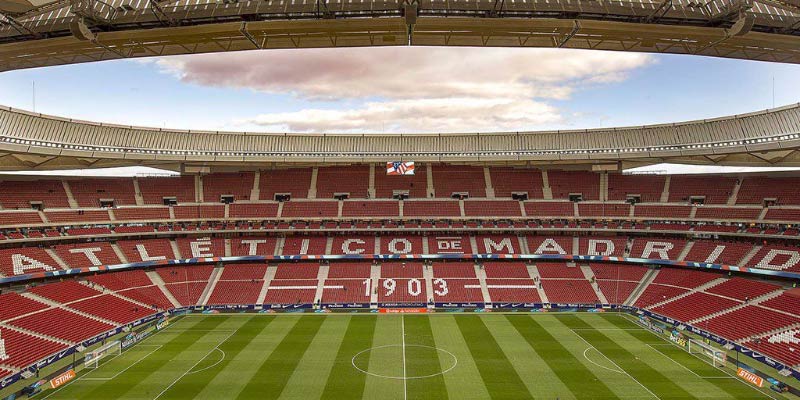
(37, 141)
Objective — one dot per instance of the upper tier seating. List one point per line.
(444, 208)
(89, 192)
(782, 214)
(310, 209)
(757, 188)
(775, 257)
(353, 180)
(77, 216)
(448, 179)
(236, 184)
(293, 181)
(549, 209)
(371, 209)
(549, 244)
(255, 211)
(141, 213)
(721, 213)
(19, 194)
(295, 245)
(155, 189)
(649, 187)
(20, 218)
(506, 181)
(491, 208)
(416, 185)
(658, 211)
(604, 209)
(715, 189)
(199, 212)
(564, 183)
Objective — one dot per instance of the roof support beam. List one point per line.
(7, 19)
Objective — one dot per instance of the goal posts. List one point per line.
(710, 354)
(92, 358)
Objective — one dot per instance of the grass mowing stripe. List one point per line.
(117, 387)
(732, 386)
(344, 381)
(269, 380)
(656, 382)
(423, 361)
(559, 359)
(191, 385)
(499, 376)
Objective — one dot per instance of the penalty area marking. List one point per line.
(601, 366)
(212, 365)
(406, 377)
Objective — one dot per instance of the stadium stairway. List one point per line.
(589, 274)
(269, 275)
(533, 271)
(322, 275)
(212, 283)
(119, 253)
(56, 258)
(686, 250)
(427, 274)
(753, 302)
(481, 274)
(700, 288)
(750, 254)
(156, 279)
(647, 279)
(375, 276)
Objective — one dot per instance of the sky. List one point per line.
(403, 89)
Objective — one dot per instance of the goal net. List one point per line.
(707, 352)
(92, 358)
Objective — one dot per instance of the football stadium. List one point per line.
(504, 265)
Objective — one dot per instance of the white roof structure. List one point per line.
(40, 142)
(36, 33)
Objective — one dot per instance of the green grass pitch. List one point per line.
(435, 356)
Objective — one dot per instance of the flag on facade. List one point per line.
(400, 168)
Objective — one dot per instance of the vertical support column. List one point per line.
(312, 190)
(487, 176)
(547, 192)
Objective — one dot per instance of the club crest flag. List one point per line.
(400, 168)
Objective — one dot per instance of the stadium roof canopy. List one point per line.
(37, 33)
(39, 142)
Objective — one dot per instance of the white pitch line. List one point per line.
(615, 364)
(157, 347)
(405, 381)
(193, 366)
(684, 367)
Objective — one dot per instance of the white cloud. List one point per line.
(411, 88)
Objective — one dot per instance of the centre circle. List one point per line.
(404, 349)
